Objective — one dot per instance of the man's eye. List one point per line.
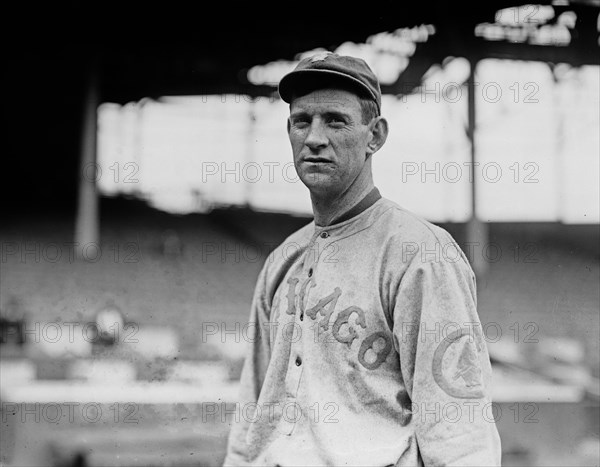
(336, 121)
(301, 122)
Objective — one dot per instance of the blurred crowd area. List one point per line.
(124, 357)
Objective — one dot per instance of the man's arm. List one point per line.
(253, 373)
(445, 364)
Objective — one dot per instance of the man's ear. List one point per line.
(378, 128)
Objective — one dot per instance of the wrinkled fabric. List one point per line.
(365, 348)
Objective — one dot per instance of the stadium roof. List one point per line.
(151, 49)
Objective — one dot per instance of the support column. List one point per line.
(250, 154)
(477, 232)
(87, 223)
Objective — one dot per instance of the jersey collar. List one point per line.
(369, 200)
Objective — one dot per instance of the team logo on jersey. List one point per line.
(344, 326)
(456, 365)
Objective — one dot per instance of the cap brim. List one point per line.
(301, 81)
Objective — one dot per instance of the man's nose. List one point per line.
(316, 137)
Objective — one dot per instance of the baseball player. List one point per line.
(365, 346)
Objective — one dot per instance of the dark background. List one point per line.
(138, 49)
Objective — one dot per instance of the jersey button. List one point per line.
(298, 361)
(301, 316)
(310, 271)
(324, 235)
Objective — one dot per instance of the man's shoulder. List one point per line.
(292, 245)
(299, 237)
(408, 235)
(405, 225)
(282, 257)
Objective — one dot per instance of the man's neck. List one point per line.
(327, 210)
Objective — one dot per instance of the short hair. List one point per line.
(368, 109)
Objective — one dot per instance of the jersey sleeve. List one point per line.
(445, 363)
(253, 372)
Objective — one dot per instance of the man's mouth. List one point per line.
(316, 160)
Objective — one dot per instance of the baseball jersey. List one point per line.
(365, 348)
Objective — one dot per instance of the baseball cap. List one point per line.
(329, 68)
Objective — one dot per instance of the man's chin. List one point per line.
(322, 190)
(317, 182)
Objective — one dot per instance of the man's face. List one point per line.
(329, 140)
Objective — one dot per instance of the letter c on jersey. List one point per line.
(467, 368)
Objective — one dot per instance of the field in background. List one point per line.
(180, 274)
